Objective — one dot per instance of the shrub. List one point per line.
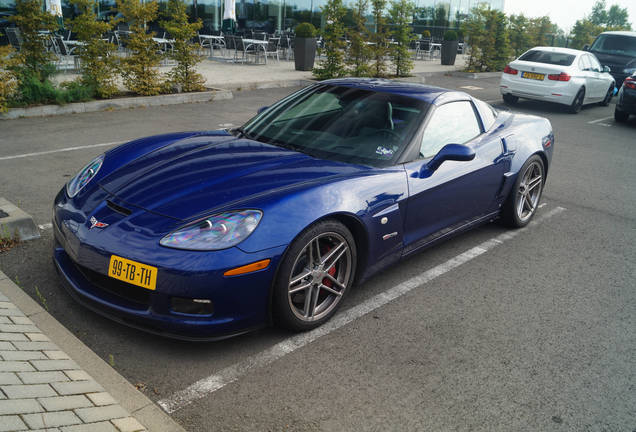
(380, 39)
(139, 69)
(305, 30)
(426, 34)
(450, 35)
(401, 13)
(333, 34)
(8, 83)
(487, 34)
(184, 75)
(99, 65)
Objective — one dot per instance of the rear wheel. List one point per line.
(523, 199)
(577, 103)
(608, 96)
(620, 116)
(510, 99)
(316, 273)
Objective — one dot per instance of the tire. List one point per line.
(522, 202)
(577, 103)
(620, 116)
(510, 99)
(608, 96)
(306, 296)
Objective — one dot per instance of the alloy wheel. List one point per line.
(319, 276)
(529, 191)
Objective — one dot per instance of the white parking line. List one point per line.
(67, 149)
(46, 226)
(206, 386)
(492, 101)
(600, 120)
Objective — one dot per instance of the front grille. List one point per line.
(134, 294)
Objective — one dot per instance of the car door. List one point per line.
(602, 83)
(456, 193)
(585, 67)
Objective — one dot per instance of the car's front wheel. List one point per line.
(314, 276)
(523, 200)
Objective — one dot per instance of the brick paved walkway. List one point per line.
(41, 388)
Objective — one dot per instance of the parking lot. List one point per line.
(533, 331)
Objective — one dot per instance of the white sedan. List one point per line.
(562, 75)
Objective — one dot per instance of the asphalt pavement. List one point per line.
(536, 331)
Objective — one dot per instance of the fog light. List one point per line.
(192, 306)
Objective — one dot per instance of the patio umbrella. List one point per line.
(55, 8)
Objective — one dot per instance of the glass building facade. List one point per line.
(280, 15)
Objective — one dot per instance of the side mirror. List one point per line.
(606, 69)
(456, 152)
(586, 47)
(261, 109)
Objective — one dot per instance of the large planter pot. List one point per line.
(449, 52)
(304, 53)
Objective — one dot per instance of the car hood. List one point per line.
(617, 63)
(200, 174)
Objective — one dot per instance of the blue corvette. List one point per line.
(203, 235)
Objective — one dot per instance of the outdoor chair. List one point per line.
(272, 49)
(64, 53)
(246, 49)
(260, 35)
(286, 47)
(15, 37)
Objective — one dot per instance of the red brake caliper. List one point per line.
(332, 271)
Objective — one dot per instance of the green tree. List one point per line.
(520, 40)
(401, 14)
(333, 65)
(184, 75)
(487, 33)
(140, 67)
(379, 39)
(583, 33)
(359, 51)
(599, 14)
(541, 31)
(8, 83)
(618, 18)
(34, 23)
(440, 20)
(99, 65)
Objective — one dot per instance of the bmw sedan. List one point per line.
(202, 235)
(560, 75)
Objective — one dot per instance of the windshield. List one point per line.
(340, 123)
(615, 44)
(548, 57)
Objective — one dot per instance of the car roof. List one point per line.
(558, 50)
(621, 33)
(430, 94)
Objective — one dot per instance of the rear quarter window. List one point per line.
(548, 57)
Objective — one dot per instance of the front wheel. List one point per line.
(510, 99)
(316, 273)
(523, 200)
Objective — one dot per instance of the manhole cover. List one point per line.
(3, 214)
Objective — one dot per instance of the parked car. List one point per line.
(561, 75)
(617, 50)
(207, 234)
(626, 102)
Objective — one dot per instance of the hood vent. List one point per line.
(117, 208)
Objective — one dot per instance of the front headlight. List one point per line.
(219, 231)
(84, 176)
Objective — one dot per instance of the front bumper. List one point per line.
(240, 303)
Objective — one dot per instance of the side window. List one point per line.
(595, 64)
(584, 63)
(487, 113)
(452, 123)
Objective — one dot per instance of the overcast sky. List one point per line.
(564, 12)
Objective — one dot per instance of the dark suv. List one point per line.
(616, 49)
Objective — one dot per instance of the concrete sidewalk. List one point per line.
(42, 387)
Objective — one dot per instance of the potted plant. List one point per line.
(305, 46)
(449, 48)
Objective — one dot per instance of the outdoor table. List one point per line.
(260, 42)
(212, 38)
(164, 42)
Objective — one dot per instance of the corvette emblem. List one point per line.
(97, 224)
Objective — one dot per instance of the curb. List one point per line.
(16, 222)
(117, 104)
(267, 84)
(128, 397)
(475, 75)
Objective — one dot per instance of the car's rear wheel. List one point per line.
(523, 200)
(316, 273)
(608, 96)
(620, 116)
(510, 99)
(577, 103)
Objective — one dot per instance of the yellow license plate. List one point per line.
(532, 75)
(133, 272)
